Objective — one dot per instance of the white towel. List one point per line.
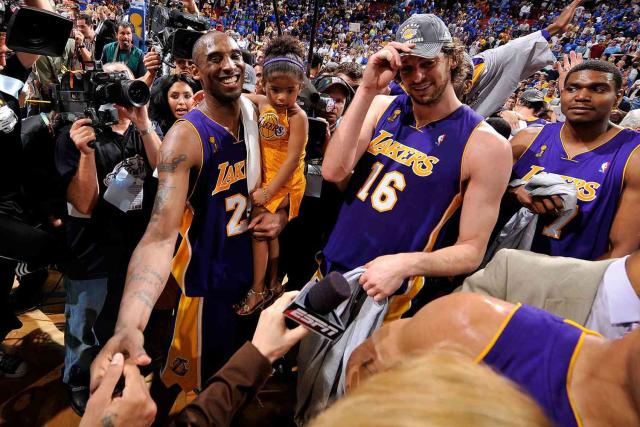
(252, 141)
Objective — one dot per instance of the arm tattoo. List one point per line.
(162, 195)
(145, 298)
(170, 161)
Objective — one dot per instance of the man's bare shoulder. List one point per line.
(183, 142)
(485, 143)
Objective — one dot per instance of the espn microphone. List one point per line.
(314, 304)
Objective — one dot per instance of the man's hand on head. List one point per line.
(383, 66)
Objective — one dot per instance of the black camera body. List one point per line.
(7, 8)
(93, 94)
(175, 32)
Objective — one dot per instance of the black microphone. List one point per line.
(316, 301)
(328, 293)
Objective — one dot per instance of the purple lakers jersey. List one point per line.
(598, 175)
(404, 188)
(214, 253)
(535, 350)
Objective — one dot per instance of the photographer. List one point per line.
(85, 38)
(110, 192)
(22, 240)
(142, 66)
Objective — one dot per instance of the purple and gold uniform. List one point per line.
(598, 175)
(404, 189)
(213, 262)
(537, 351)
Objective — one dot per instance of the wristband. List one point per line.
(147, 131)
(546, 34)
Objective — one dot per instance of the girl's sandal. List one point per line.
(243, 309)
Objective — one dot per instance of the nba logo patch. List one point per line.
(180, 366)
(212, 140)
(604, 167)
(441, 139)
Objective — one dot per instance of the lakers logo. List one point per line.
(541, 152)
(270, 127)
(180, 366)
(394, 115)
(409, 33)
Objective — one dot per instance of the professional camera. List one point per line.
(173, 33)
(32, 30)
(6, 11)
(93, 94)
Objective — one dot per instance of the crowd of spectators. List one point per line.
(91, 234)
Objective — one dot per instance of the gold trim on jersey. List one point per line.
(400, 304)
(572, 364)
(571, 158)
(183, 360)
(529, 146)
(181, 259)
(477, 71)
(195, 183)
(624, 170)
(497, 335)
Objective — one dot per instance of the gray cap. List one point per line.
(532, 95)
(250, 79)
(427, 31)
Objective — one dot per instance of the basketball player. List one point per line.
(576, 376)
(416, 159)
(600, 158)
(202, 195)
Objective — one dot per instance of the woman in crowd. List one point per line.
(171, 98)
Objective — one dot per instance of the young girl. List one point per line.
(283, 135)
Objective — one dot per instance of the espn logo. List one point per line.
(314, 323)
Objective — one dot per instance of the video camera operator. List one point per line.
(144, 67)
(110, 193)
(22, 240)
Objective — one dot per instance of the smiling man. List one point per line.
(600, 158)
(416, 158)
(203, 191)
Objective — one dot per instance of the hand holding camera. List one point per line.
(82, 135)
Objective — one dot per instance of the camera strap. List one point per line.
(10, 86)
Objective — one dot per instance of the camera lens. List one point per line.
(135, 92)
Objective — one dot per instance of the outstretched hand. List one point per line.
(568, 62)
(132, 409)
(563, 20)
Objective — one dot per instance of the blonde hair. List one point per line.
(438, 388)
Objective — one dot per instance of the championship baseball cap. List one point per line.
(250, 79)
(322, 83)
(427, 31)
(532, 95)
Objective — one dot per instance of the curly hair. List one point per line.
(159, 110)
(455, 52)
(283, 47)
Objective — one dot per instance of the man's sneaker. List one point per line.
(12, 366)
